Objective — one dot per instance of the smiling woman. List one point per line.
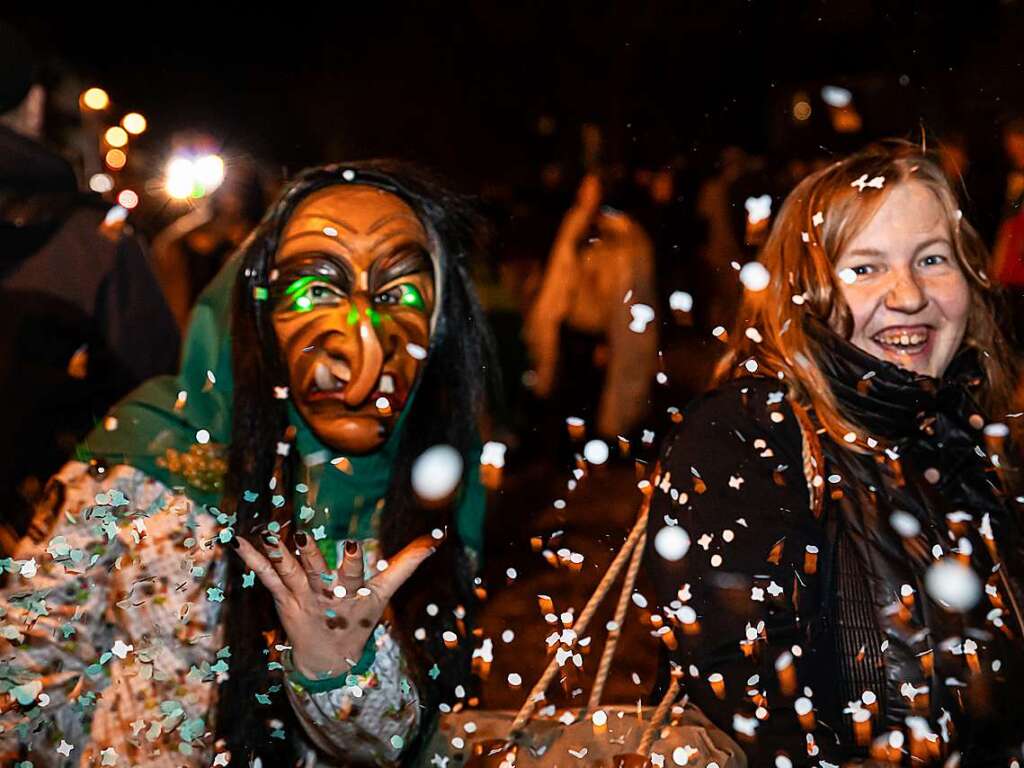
(865, 484)
(241, 564)
(900, 277)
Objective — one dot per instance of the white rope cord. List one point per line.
(659, 716)
(613, 635)
(537, 692)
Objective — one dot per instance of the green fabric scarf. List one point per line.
(190, 414)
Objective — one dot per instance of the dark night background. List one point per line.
(460, 85)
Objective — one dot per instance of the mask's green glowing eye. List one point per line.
(411, 297)
(299, 286)
(308, 292)
(402, 295)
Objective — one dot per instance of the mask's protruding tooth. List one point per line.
(387, 384)
(341, 370)
(325, 381)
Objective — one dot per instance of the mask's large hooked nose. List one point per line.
(367, 356)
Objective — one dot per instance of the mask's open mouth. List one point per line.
(331, 378)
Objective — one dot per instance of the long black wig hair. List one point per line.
(453, 385)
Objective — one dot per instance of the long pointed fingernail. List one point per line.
(351, 547)
(301, 539)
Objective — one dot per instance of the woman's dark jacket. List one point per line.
(842, 597)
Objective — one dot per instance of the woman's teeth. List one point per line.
(904, 342)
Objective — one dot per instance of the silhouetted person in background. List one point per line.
(189, 252)
(83, 319)
(591, 330)
(1008, 252)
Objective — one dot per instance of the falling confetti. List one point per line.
(436, 473)
(596, 451)
(642, 315)
(877, 182)
(493, 454)
(680, 301)
(755, 276)
(953, 585)
(758, 208)
(905, 524)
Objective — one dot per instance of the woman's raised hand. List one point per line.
(328, 616)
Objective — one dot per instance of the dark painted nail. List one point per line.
(351, 547)
(233, 542)
(269, 540)
(301, 539)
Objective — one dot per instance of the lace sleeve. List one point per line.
(367, 719)
(111, 610)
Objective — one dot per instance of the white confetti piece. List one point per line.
(436, 473)
(672, 543)
(876, 183)
(905, 524)
(847, 275)
(997, 430)
(121, 649)
(596, 451)
(680, 301)
(493, 454)
(758, 208)
(754, 276)
(642, 315)
(953, 585)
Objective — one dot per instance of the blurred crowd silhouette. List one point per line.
(101, 265)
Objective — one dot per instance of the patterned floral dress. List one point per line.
(111, 646)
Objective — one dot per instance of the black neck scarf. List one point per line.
(931, 464)
(895, 404)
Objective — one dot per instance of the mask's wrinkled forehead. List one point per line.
(351, 177)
